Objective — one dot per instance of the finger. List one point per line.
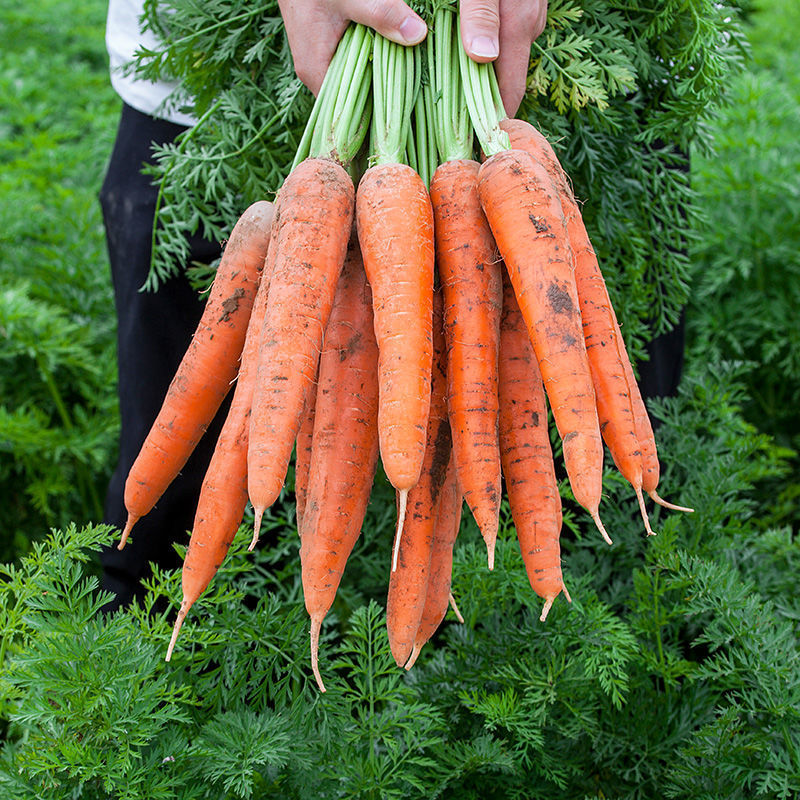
(313, 34)
(521, 23)
(480, 29)
(392, 19)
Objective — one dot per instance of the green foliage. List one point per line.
(673, 673)
(57, 411)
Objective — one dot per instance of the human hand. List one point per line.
(491, 30)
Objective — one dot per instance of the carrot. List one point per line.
(395, 232)
(408, 581)
(527, 457)
(470, 271)
(206, 371)
(440, 570)
(344, 448)
(312, 229)
(525, 216)
(223, 496)
(605, 347)
(644, 432)
(303, 455)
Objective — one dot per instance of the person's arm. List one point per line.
(491, 30)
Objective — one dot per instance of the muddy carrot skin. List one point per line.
(527, 457)
(311, 232)
(525, 215)
(344, 446)
(440, 571)
(208, 368)
(408, 582)
(303, 455)
(470, 272)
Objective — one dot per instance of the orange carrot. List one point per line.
(206, 371)
(644, 432)
(312, 229)
(605, 347)
(525, 215)
(395, 232)
(223, 496)
(527, 457)
(440, 570)
(470, 271)
(408, 582)
(344, 448)
(302, 462)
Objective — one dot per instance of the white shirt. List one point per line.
(124, 37)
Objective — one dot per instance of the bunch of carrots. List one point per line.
(416, 312)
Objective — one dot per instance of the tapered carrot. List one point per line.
(525, 216)
(311, 233)
(344, 447)
(223, 495)
(527, 457)
(408, 582)
(470, 271)
(651, 470)
(206, 371)
(613, 385)
(440, 570)
(395, 232)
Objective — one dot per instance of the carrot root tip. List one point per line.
(126, 531)
(490, 545)
(182, 611)
(259, 512)
(601, 528)
(643, 510)
(662, 502)
(548, 604)
(402, 498)
(453, 605)
(316, 624)
(415, 651)
(566, 593)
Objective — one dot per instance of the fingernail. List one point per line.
(484, 47)
(413, 30)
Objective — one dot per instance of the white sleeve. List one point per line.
(123, 38)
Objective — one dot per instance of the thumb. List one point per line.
(392, 19)
(480, 29)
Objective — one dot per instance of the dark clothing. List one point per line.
(153, 331)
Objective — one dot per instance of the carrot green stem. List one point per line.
(423, 139)
(452, 123)
(395, 84)
(483, 103)
(339, 119)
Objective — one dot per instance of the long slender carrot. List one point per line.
(627, 433)
(470, 271)
(408, 582)
(312, 229)
(527, 457)
(525, 215)
(440, 570)
(344, 449)
(605, 347)
(395, 231)
(206, 371)
(223, 495)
